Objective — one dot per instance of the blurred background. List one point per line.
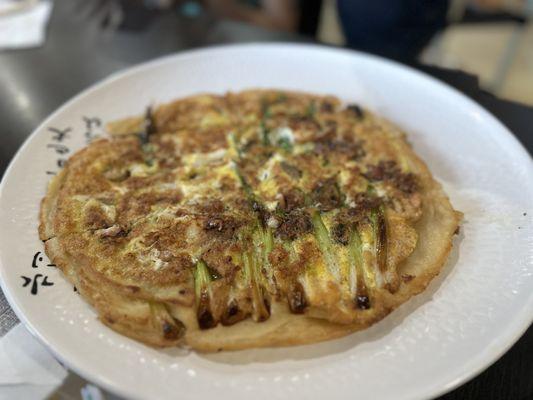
(492, 39)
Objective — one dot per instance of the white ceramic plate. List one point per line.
(475, 310)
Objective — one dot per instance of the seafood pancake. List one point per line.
(259, 218)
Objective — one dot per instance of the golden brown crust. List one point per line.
(120, 220)
(49, 206)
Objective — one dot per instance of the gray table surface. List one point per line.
(78, 53)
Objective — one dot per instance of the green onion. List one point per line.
(202, 280)
(265, 139)
(171, 328)
(379, 229)
(285, 144)
(325, 244)
(252, 274)
(234, 145)
(359, 288)
(311, 109)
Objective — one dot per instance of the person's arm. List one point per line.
(274, 14)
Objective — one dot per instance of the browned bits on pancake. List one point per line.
(296, 299)
(208, 140)
(389, 171)
(362, 302)
(188, 113)
(331, 124)
(204, 315)
(355, 110)
(137, 182)
(406, 183)
(327, 107)
(232, 314)
(256, 153)
(309, 253)
(407, 278)
(111, 232)
(166, 153)
(170, 332)
(287, 273)
(133, 288)
(139, 204)
(364, 202)
(166, 255)
(260, 212)
(327, 195)
(119, 154)
(209, 207)
(81, 183)
(341, 233)
(279, 258)
(251, 145)
(227, 184)
(303, 122)
(108, 198)
(178, 263)
(166, 147)
(291, 170)
(293, 225)
(176, 270)
(263, 316)
(380, 171)
(354, 150)
(223, 226)
(141, 182)
(233, 310)
(116, 152)
(96, 218)
(219, 264)
(215, 223)
(117, 174)
(329, 143)
(291, 200)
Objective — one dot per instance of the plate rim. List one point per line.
(476, 365)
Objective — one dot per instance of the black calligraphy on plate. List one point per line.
(38, 277)
(58, 145)
(58, 139)
(93, 128)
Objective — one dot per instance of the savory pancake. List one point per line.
(260, 218)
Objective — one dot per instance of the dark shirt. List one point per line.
(308, 11)
(397, 29)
